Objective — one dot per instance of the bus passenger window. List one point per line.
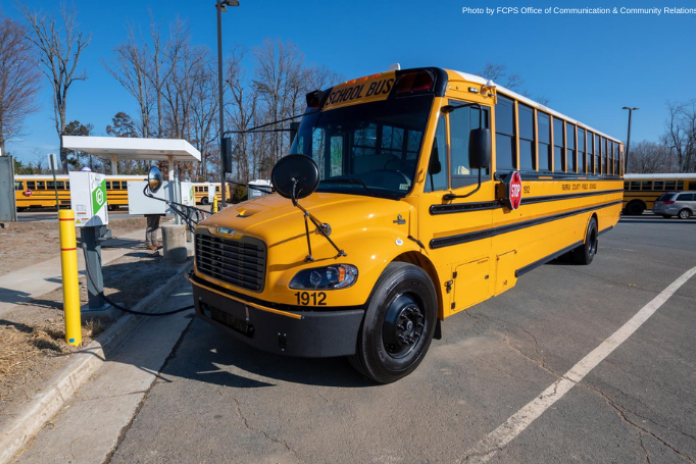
(590, 153)
(527, 158)
(19, 185)
(680, 185)
(626, 186)
(635, 185)
(31, 185)
(505, 153)
(571, 161)
(598, 155)
(50, 185)
(659, 185)
(646, 185)
(462, 122)
(558, 139)
(108, 185)
(670, 185)
(40, 185)
(61, 185)
(437, 169)
(581, 151)
(544, 132)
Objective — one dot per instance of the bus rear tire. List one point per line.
(585, 253)
(399, 324)
(635, 208)
(204, 200)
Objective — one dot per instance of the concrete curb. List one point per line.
(32, 417)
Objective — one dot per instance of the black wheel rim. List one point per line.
(403, 326)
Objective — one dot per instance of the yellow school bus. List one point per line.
(200, 192)
(37, 191)
(641, 190)
(438, 190)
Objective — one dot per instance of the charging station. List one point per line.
(88, 201)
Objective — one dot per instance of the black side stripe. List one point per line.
(552, 256)
(546, 259)
(492, 232)
(484, 205)
(531, 200)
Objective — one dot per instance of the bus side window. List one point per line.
(635, 185)
(437, 169)
(505, 153)
(461, 123)
(646, 185)
(336, 158)
(680, 185)
(40, 185)
(527, 145)
(558, 142)
(626, 187)
(67, 186)
(545, 149)
(19, 185)
(108, 185)
(658, 185)
(670, 185)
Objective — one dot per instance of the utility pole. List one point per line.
(628, 137)
(221, 6)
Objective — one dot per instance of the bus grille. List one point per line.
(237, 262)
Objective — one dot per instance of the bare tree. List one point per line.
(498, 73)
(130, 68)
(681, 133)
(19, 79)
(60, 43)
(245, 102)
(649, 157)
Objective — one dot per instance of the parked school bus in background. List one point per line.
(641, 190)
(418, 238)
(37, 191)
(200, 192)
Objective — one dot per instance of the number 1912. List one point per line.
(313, 298)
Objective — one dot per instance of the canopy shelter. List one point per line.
(115, 148)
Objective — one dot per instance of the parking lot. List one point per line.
(218, 400)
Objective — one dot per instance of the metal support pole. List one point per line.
(628, 137)
(95, 281)
(223, 188)
(71, 286)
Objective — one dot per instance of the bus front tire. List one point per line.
(635, 208)
(399, 324)
(585, 253)
(204, 200)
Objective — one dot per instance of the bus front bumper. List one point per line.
(307, 334)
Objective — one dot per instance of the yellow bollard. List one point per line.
(71, 286)
(215, 204)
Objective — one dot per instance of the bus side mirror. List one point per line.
(480, 148)
(154, 179)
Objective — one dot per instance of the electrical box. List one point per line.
(138, 203)
(88, 198)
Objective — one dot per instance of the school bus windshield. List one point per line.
(366, 149)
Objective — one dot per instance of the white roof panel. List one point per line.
(133, 148)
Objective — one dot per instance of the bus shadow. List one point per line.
(209, 354)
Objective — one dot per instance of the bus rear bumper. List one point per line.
(307, 334)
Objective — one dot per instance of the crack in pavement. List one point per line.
(263, 432)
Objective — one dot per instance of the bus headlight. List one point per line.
(328, 277)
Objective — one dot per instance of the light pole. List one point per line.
(628, 138)
(221, 6)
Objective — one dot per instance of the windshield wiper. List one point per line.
(349, 180)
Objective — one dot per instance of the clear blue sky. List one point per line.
(588, 65)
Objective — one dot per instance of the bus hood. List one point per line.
(275, 220)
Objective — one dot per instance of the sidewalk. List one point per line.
(23, 285)
(88, 427)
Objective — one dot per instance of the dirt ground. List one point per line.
(32, 346)
(26, 243)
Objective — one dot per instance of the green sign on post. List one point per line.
(98, 197)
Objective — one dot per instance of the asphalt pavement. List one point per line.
(217, 400)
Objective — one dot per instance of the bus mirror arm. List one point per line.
(323, 228)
